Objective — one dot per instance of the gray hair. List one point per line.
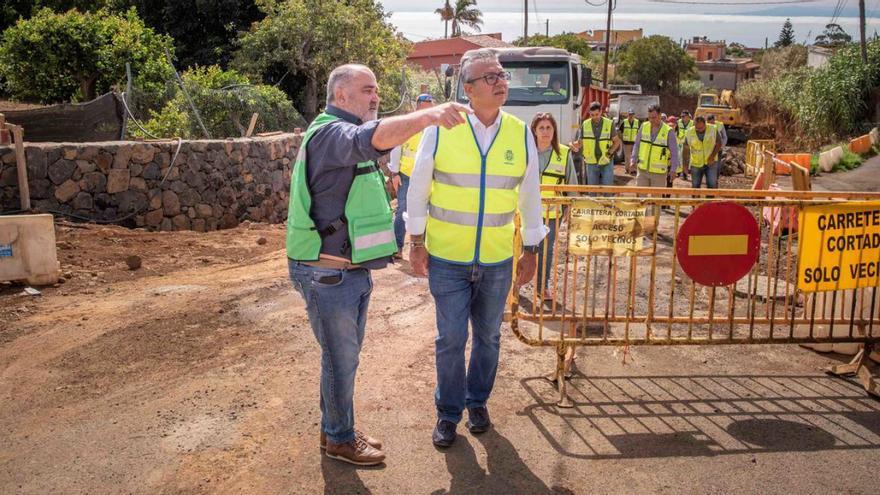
(475, 57)
(342, 76)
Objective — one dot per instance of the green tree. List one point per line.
(655, 62)
(833, 36)
(736, 50)
(226, 100)
(12, 10)
(778, 61)
(566, 41)
(786, 36)
(298, 49)
(55, 57)
(463, 13)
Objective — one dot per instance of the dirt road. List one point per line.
(197, 373)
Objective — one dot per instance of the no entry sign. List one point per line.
(718, 243)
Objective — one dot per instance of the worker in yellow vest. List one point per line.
(557, 168)
(655, 152)
(722, 133)
(403, 159)
(467, 186)
(685, 122)
(599, 144)
(628, 130)
(701, 146)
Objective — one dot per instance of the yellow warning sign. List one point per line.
(840, 247)
(605, 227)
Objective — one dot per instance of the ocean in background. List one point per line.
(750, 30)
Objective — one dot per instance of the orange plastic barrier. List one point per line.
(861, 145)
(802, 159)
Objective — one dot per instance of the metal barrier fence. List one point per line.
(623, 266)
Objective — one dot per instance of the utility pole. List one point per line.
(862, 31)
(526, 22)
(607, 45)
(547, 28)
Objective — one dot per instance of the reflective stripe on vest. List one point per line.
(475, 194)
(654, 155)
(589, 144)
(408, 154)
(630, 130)
(701, 149)
(367, 212)
(554, 174)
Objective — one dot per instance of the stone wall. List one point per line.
(211, 185)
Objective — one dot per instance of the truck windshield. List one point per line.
(533, 83)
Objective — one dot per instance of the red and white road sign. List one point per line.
(718, 243)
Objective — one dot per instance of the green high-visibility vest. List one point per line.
(701, 149)
(367, 217)
(589, 142)
(654, 155)
(630, 130)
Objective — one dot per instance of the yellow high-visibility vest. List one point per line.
(682, 129)
(654, 155)
(408, 154)
(630, 129)
(589, 142)
(475, 193)
(701, 149)
(554, 175)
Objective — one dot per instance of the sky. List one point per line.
(748, 24)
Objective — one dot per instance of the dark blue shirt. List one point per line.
(332, 156)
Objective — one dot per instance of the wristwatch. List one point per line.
(532, 249)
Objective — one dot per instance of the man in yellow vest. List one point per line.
(628, 130)
(403, 159)
(701, 146)
(599, 144)
(655, 152)
(339, 228)
(467, 186)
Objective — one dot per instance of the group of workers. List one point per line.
(461, 174)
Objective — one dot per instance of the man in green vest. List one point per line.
(628, 130)
(655, 152)
(600, 143)
(701, 146)
(339, 228)
(467, 186)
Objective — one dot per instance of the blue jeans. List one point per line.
(600, 175)
(463, 293)
(338, 314)
(546, 265)
(399, 225)
(710, 172)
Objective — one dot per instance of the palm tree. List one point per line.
(464, 13)
(445, 15)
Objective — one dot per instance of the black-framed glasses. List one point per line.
(492, 78)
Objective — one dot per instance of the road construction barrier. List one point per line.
(755, 149)
(861, 145)
(654, 266)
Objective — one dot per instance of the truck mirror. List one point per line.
(586, 76)
(450, 71)
(447, 89)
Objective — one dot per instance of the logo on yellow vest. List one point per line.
(508, 157)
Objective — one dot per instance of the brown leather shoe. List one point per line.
(373, 442)
(357, 452)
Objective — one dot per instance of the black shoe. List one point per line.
(478, 420)
(444, 433)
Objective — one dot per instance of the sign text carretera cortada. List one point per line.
(840, 247)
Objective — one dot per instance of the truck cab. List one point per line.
(542, 80)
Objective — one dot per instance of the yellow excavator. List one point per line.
(725, 110)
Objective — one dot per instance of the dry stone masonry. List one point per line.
(212, 185)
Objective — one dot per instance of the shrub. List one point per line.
(225, 101)
(57, 57)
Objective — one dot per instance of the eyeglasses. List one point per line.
(492, 78)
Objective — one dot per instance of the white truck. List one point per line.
(548, 80)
